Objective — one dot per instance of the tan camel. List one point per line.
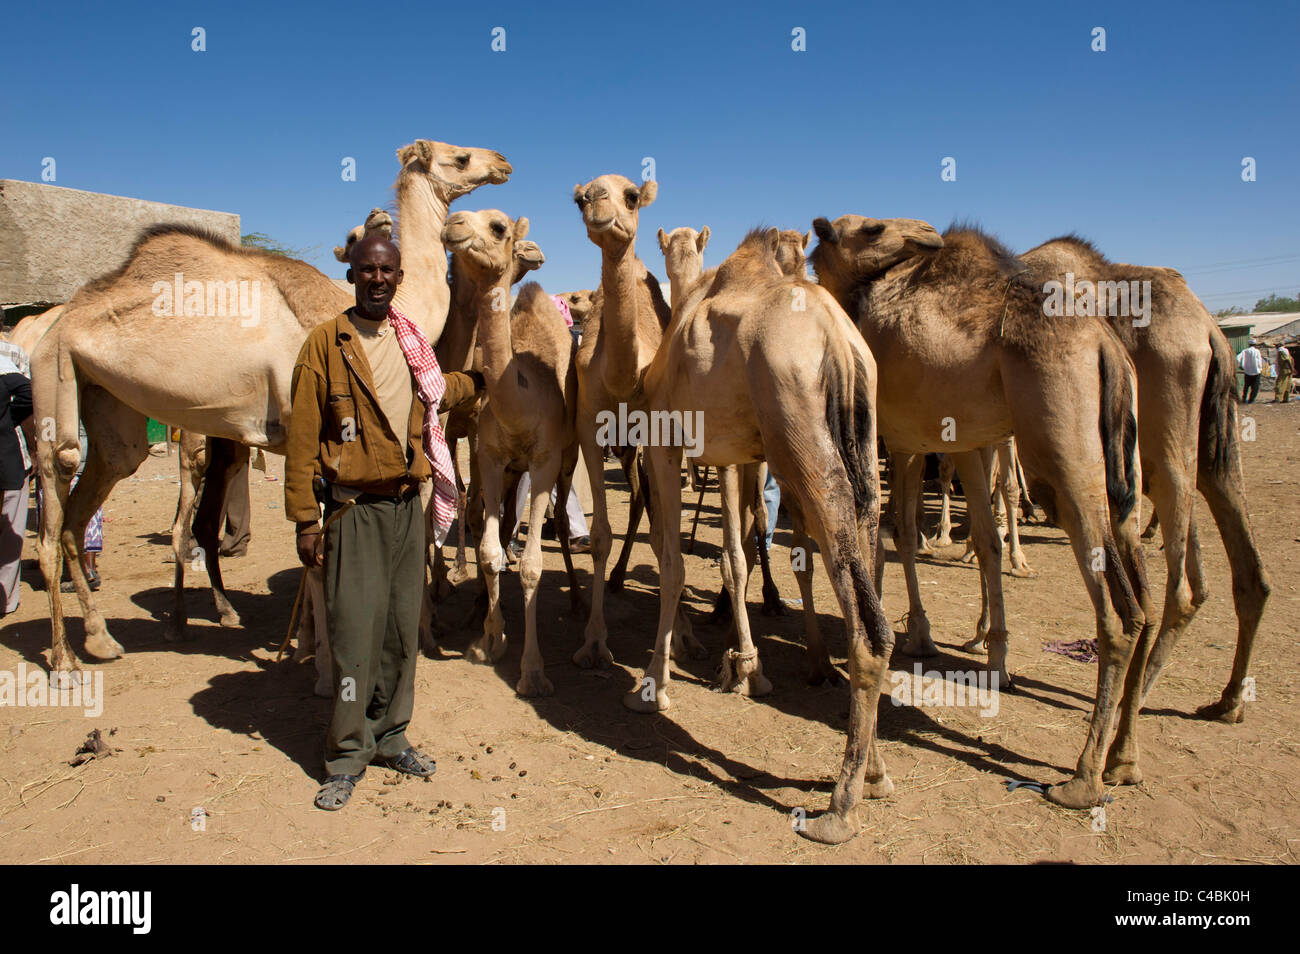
(1002, 467)
(188, 288)
(790, 252)
(966, 357)
(1187, 396)
(620, 337)
(526, 422)
(579, 303)
(800, 395)
(683, 260)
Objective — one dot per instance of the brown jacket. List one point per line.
(337, 430)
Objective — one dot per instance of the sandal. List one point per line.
(336, 791)
(411, 762)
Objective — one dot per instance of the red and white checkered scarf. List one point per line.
(429, 384)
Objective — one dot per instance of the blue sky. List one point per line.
(1138, 148)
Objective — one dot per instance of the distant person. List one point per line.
(1251, 363)
(1283, 367)
(15, 408)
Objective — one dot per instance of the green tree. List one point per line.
(1278, 303)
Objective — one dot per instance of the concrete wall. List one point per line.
(53, 240)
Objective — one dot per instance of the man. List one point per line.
(1283, 368)
(1252, 365)
(361, 421)
(236, 515)
(15, 408)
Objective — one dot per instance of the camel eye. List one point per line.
(631, 196)
(498, 230)
(462, 161)
(872, 231)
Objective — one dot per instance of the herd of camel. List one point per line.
(930, 343)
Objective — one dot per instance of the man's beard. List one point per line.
(373, 310)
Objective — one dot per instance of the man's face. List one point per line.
(376, 272)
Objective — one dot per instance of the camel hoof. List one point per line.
(177, 633)
(103, 646)
(533, 684)
(636, 701)
(1076, 793)
(918, 644)
(943, 541)
(70, 677)
(615, 581)
(744, 675)
(774, 608)
(969, 557)
(458, 574)
(593, 655)
(829, 828)
(230, 620)
(976, 644)
(1122, 773)
(1024, 572)
(881, 788)
(488, 650)
(1223, 711)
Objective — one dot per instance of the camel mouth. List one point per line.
(499, 176)
(604, 225)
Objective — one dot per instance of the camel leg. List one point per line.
(541, 477)
(742, 670)
(492, 645)
(563, 485)
(1009, 486)
(1250, 586)
(1122, 759)
(223, 461)
(947, 467)
(684, 645)
(1172, 489)
(1150, 532)
(988, 548)
(593, 651)
(1102, 568)
(819, 668)
(665, 467)
(193, 460)
(908, 470)
(115, 448)
(986, 458)
(634, 471)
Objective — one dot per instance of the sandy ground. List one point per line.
(216, 724)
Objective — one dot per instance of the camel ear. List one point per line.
(807, 239)
(421, 149)
(577, 193)
(703, 240)
(663, 242)
(340, 253)
(773, 239)
(649, 192)
(825, 231)
(521, 228)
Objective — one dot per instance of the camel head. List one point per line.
(528, 256)
(377, 221)
(854, 248)
(790, 251)
(683, 253)
(484, 243)
(579, 304)
(609, 206)
(453, 171)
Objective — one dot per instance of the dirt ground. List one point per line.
(216, 724)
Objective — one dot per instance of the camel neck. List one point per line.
(499, 372)
(424, 295)
(455, 350)
(685, 278)
(618, 322)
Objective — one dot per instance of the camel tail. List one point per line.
(1118, 428)
(848, 415)
(1218, 443)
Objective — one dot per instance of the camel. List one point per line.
(800, 395)
(184, 286)
(526, 422)
(966, 357)
(1188, 434)
(620, 337)
(790, 252)
(683, 260)
(579, 303)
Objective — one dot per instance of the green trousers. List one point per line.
(1283, 387)
(374, 580)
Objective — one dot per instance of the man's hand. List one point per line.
(310, 550)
